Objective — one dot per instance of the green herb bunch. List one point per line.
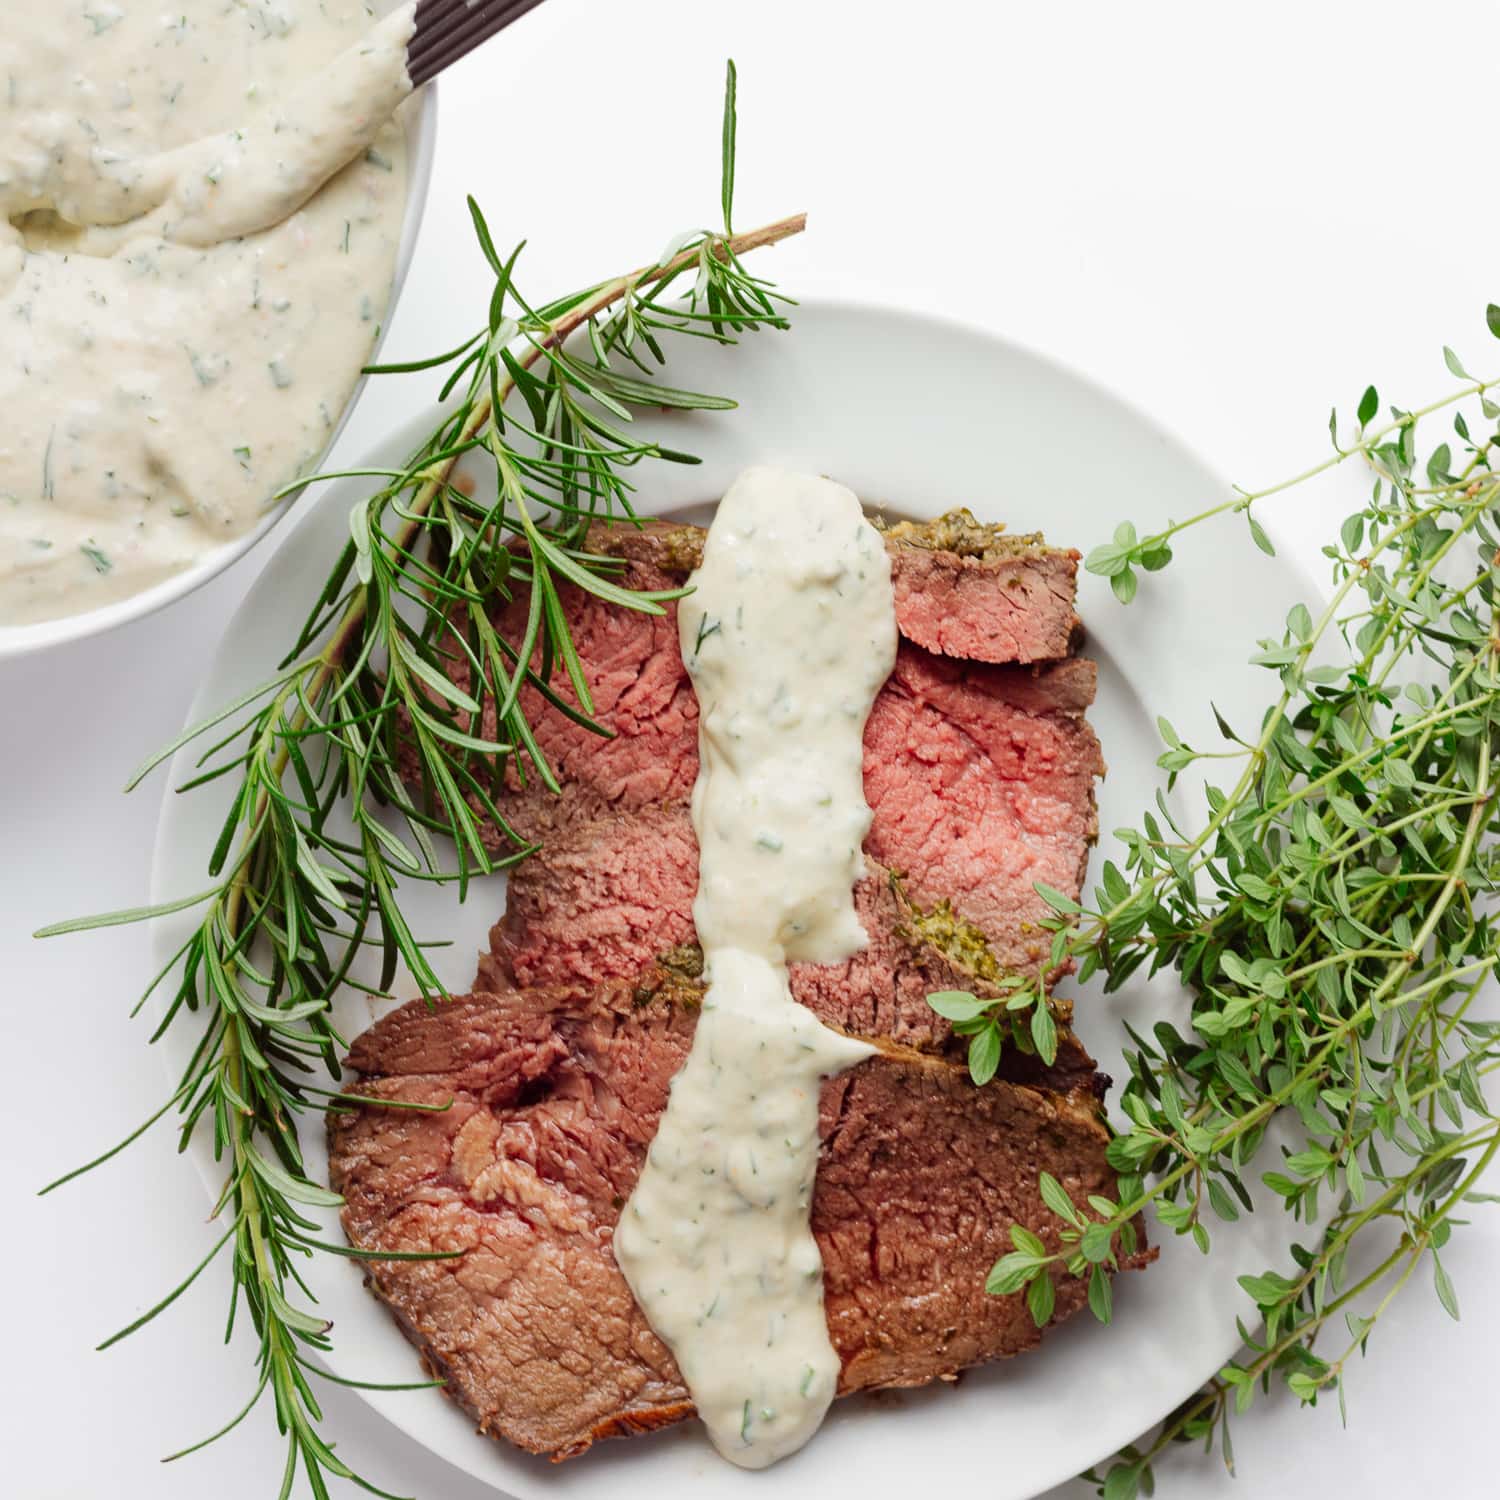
(1330, 913)
(323, 828)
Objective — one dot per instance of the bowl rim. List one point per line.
(25, 640)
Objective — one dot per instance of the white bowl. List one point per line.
(20, 640)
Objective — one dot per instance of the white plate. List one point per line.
(922, 415)
(420, 121)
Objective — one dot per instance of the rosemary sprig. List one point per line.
(1331, 918)
(322, 828)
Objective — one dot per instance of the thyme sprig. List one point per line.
(323, 827)
(1330, 915)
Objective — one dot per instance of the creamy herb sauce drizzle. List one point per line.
(200, 208)
(788, 635)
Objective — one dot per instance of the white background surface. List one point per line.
(1236, 219)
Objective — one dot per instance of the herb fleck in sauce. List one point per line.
(788, 635)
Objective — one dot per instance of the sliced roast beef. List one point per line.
(981, 593)
(603, 901)
(980, 781)
(979, 775)
(979, 770)
(962, 588)
(553, 1105)
(598, 901)
(643, 697)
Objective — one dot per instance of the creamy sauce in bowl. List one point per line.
(788, 636)
(200, 211)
